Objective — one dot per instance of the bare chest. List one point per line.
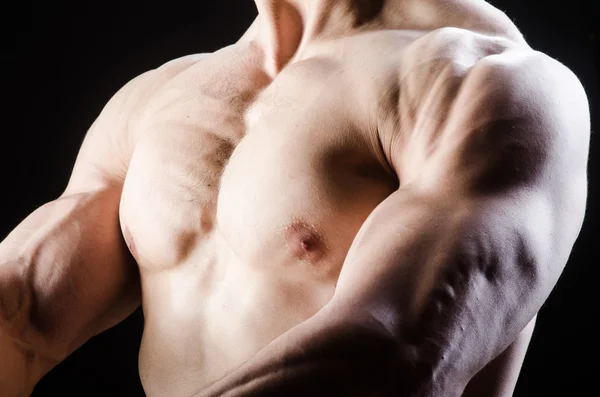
(225, 148)
(245, 193)
(282, 168)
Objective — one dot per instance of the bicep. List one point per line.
(506, 169)
(455, 263)
(454, 281)
(69, 273)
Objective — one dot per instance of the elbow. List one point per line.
(25, 356)
(15, 299)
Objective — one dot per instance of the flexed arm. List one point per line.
(449, 269)
(65, 272)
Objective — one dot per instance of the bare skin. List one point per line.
(354, 199)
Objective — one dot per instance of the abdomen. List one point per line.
(199, 325)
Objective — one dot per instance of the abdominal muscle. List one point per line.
(201, 325)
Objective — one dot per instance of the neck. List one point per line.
(283, 27)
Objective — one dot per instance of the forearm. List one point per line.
(20, 368)
(64, 277)
(334, 353)
(13, 368)
(65, 274)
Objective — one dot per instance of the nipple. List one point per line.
(306, 244)
(304, 241)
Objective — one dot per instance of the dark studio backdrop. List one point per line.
(62, 61)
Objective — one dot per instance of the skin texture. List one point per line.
(356, 199)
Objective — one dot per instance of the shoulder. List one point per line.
(543, 85)
(109, 143)
(520, 120)
(121, 112)
(141, 88)
(504, 119)
(525, 102)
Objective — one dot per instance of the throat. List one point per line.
(285, 27)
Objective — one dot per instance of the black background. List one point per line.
(60, 63)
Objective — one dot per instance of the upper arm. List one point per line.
(517, 120)
(65, 272)
(455, 263)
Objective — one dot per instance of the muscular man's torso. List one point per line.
(245, 188)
